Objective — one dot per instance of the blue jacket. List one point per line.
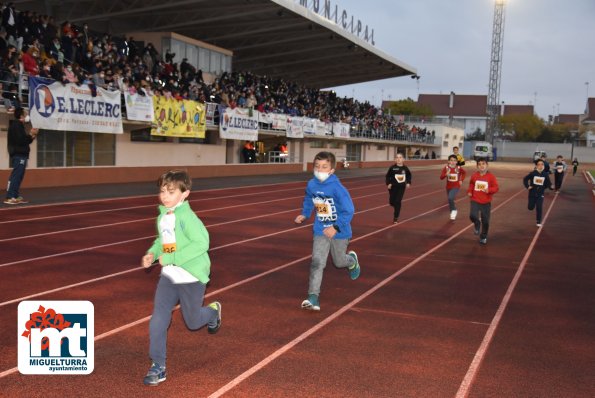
(333, 206)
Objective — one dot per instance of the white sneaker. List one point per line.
(453, 215)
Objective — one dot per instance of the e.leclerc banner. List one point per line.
(55, 106)
(238, 124)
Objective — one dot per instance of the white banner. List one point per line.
(295, 127)
(139, 107)
(265, 118)
(341, 130)
(323, 128)
(279, 121)
(237, 124)
(54, 106)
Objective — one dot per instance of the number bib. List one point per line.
(322, 209)
(538, 180)
(400, 178)
(560, 169)
(453, 177)
(481, 185)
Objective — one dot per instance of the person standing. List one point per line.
(574, 166)
(398, 178)
(559, 170)
(18, 150)
(536, 182)
(460, 158)
(454, 178)
(482, 186)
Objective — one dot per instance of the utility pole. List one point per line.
(495, 71)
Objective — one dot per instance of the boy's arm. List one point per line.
(526, 180)
(548, 182)
(388, 177)
(407, 175)
(493, 188)
(471, 186)
(345, 208)
(443, 173)
(307, 204)
(463, 173)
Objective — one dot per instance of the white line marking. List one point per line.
(469, 378)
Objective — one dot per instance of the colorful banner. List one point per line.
(55, 106)
(175, 118)
(295, 127)
(139, 107)
(341, 130)
(238, 124)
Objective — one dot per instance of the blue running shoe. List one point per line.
(155, 375)
(311, 303)
(354, 270)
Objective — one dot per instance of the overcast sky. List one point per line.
(548, 55)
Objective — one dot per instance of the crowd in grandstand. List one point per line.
(34, 45)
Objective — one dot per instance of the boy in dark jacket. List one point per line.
(397, 179)
(536, 182)
(18, 150)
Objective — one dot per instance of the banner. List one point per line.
(295, 127)
(237, 124)
(341, 130)
(175, 118)
(265, 118)
(139, 107)
(279, 121)
(55, 106)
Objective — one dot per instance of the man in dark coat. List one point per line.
(18, 150)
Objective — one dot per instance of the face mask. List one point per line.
(321, 176)
(27, 119)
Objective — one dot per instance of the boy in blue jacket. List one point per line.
(332, 226)
(536, 182)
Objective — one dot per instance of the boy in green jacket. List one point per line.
(181, 248)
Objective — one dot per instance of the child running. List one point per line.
(456, 175)
(332, 225)
(482, 186)
(536, 182)
(574, 166)
(559, 169)
(398, 177)
(181, 248)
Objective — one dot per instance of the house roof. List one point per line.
(464, 105)
(567, 119)
(590, 111)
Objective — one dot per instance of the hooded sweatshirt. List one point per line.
(332, 204)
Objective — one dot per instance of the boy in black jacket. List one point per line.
(536, 182)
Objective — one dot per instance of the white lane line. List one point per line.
(471, 374)
(285, 348)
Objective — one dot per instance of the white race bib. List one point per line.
(400, 178)
(538, 180)
(481, 185)
(560, 168)
(453, 177)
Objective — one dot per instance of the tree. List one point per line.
(477, 135)
(522, 127)
(408, 107)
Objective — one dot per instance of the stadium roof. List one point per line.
(278, 38)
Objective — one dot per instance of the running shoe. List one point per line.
(217, 307)
(155, 375)
(311, 303)
(354, 270)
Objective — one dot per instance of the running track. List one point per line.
(434, 314)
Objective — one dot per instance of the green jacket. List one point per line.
(192, 243)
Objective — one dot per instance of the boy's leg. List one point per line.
(339, 253)
(452, 194)
(191, 300)
(473, 216)
(532, 201)
(539, 208)
(166, 297)
(320, 249)
(396, 198)
(19, 164)
(485, 210)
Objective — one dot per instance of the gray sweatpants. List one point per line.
(322, 246)
(190, 296)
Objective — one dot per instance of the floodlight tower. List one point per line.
(495, 71)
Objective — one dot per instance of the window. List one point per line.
(317, 144)
(335, 144)
(74, 148)
(381, 147)
(446, 136)
(445, 144)
(354, 152)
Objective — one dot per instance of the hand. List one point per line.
(330, 232)
(299, 219)
(469, 194)
(530, 187)
(147, 260)
(408, 185)
(389, 186)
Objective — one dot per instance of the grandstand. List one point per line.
(252, 62)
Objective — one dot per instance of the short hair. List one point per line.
(177, 178)
(453, 148)
(539, 160)
(452, 157)
(326, 156)
(560, 156)
(18, 112)
(482, 160)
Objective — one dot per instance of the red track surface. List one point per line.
(434, 314)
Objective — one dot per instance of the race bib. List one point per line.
(560, 169)
(400, 178)
(323, 209)
(538, 180)
(453, 177)
(481, 185)
(169, 247)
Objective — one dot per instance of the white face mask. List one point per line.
(321, 175)
(27, 119)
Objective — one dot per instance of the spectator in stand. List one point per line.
(6, 98)
(30, 61)
(9, 20)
